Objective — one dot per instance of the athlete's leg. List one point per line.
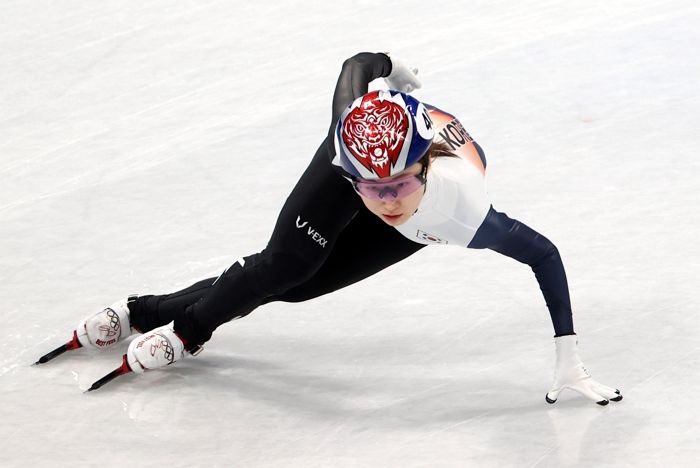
(313, 216)
(151, 311)
(366, 246)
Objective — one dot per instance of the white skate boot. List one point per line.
(156, 348)
(107, 327)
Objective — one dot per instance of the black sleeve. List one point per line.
(357, 73)
(514, 239)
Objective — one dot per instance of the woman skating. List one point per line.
(392, 176)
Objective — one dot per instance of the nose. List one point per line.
(391, 203)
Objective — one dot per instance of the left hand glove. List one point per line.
(571, 374)
(402, 78)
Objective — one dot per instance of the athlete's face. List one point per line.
(396, 211)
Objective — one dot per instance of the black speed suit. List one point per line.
(314, 247)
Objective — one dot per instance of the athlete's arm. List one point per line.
(512, 238)
(357, 73)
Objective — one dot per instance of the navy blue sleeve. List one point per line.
(514, 239)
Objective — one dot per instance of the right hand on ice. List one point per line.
(402, 78)
(571, 374)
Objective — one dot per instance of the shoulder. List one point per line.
(449, 130)
(457, 170)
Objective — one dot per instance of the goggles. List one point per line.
(391, 189)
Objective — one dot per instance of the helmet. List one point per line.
(381, 134)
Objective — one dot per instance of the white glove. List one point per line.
(402, 78)
(570, 373)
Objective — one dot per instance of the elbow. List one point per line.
(355, 61)
(361, 60)
(550, 252)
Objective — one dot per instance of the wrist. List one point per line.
(390, 66)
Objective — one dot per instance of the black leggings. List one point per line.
(324, 240)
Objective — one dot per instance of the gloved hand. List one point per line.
(402, 78)
(571, 374)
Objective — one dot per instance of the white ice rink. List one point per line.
(145, 145)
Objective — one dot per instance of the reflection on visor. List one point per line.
(395, 188)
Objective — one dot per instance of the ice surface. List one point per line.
(145, 145)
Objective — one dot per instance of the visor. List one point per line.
(391, 189)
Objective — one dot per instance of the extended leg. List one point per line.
(318, 209)
(366, 246)
(149, 312)
(356, 255)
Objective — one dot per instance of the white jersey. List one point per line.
(455, 202)
(453, 207)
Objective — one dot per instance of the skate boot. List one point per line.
(157, 348)
(105, 328)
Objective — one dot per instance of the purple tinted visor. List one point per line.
(391, 189)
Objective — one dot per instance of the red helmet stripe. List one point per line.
(375, 132)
